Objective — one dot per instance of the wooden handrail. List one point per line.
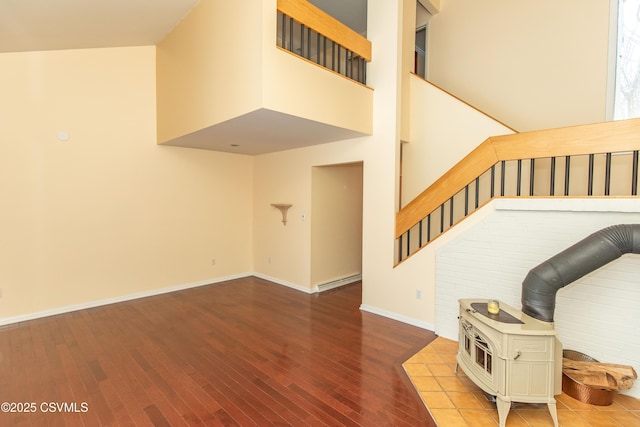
(608, 137)
(322, 23)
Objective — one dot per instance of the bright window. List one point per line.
(627, 91)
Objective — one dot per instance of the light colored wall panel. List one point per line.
(532, 65)
(107, 213)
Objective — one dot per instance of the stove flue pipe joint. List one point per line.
(542, 283)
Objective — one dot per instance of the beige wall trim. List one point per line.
(319, 21)
(607, 137)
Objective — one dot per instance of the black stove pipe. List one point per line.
(542, 283)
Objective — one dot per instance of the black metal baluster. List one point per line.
(284, 31)
(400, 247)
(477, 192)
(428, 228)
(347, 64)
(308, 43)
(291, 34)
(318, 44)
(567, 168)
(466, 200)
(519, 178)
(492, 190)
(408, 242)
(590, 176)
(442, 218)
(324, 51)
(532, 177)
(420, 233)
(552, 187)
(634, 174)
(302, 27)
(502, 177)
(451, 211)
(607, 175)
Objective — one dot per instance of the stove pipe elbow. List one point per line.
(542, 283)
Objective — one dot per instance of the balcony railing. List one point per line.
(584, 161)
(310, 33)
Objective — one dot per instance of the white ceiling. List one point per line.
(31, 25)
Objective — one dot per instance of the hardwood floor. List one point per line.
(241, 353)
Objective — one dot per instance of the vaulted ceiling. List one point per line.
(32, 25)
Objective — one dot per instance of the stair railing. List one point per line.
(597, 160)
(309, 32)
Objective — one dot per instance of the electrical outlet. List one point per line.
(213, 261)
(418, 293)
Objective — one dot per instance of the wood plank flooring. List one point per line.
(241, 353)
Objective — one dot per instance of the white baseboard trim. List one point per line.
(398, 317)
(284, 283)
(128, 297)
(338, 282)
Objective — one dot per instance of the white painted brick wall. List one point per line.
(598, 314)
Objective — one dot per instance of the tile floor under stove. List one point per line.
(454, 400)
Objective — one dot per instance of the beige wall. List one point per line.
(283, 253)
(531, 64)
(437, 139)
(208, 67)
(107, 213)
(336, 222)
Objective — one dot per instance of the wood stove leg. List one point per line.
(553, 412)
(503, 409)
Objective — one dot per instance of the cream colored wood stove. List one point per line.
(509, 355)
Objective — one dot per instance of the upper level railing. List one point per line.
(309, 32)
(597, 160)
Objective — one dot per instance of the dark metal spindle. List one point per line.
(291, 34)
(284, 31)
(607, 175)
(477, 192)
(324, 51)
(552, 186)
(451, 211)
(408, 242)
(590, 176)
(420, 233)
(400, 248)
(519, 178)
(493, 181)
(428, 228)
(567, 170)
(442, 218)
(634, 174)
(502, 177)
(466, 201)
(532, 177)
(302, 27)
